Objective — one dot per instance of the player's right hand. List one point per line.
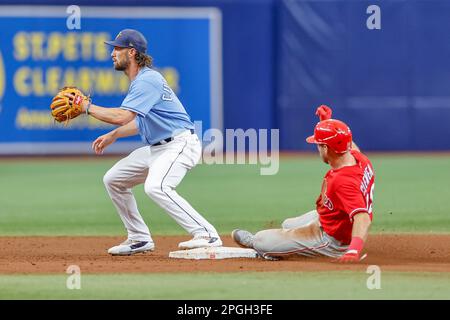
(324, 112)
(102, 142)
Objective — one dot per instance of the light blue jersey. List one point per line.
(160, 114)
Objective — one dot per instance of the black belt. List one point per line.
(167, 140)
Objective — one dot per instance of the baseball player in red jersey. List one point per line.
(340, 224)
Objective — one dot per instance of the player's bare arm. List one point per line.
(99, 145)
(361, 225)
(115, 116)
(360, 231)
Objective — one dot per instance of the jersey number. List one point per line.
(167, 95)
(369, 198)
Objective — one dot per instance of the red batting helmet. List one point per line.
(334, 133)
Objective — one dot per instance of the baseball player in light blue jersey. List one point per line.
(152, 110)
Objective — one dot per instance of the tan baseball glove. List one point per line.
(67, 104)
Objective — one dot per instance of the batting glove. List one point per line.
(324, 112)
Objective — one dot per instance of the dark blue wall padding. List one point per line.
(392, 86)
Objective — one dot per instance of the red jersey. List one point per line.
(346, 192)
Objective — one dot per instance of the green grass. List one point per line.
(287, 286)
(48, 198)
(67, 197)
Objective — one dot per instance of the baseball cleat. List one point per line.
(243, 238)
(200, 242)
(129, 247)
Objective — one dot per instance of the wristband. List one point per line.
(87, 108)
(356, 245)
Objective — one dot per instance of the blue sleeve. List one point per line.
(141, 97)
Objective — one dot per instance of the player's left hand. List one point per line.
(324, 112)
(68, 104)
(351, 256)
(83, 105)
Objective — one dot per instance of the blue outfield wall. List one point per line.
(246, 71)
(283, 58)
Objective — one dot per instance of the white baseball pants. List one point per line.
(161, 168)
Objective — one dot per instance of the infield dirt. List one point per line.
(24, 255)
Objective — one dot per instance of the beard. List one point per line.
(122, 65)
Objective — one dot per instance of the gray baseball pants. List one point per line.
(301, 235)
